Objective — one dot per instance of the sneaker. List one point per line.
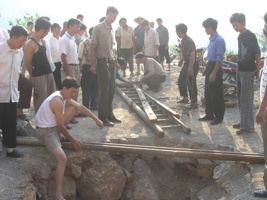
(244, 131)
(15, 154)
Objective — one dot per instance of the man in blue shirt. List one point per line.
(214, 98)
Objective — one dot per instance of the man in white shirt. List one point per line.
(50, 121)
(126, 43)
(151, 45)
(3, 35)
(69, 55)
(10, 59)
(154, 74)
(56, 57)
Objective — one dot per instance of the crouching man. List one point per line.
(154, 74)
(51, 119)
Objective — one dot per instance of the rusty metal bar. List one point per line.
(158, 151)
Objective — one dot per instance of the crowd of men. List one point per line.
(58, 65)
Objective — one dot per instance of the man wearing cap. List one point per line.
(139, 33)
(154, 74)
(151, 41)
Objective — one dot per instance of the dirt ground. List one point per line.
(134, 130)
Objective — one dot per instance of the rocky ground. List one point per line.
(100, 175)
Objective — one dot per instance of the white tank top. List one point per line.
(44, 117)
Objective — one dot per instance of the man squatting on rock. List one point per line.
(51, 120)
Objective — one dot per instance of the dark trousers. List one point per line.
(8, 123)
(106, 82)
(127, 54)
(186, 82)
(164, 53)
(154, 81)
(89, 87)
(214, 93)
(57, 75)
(25, 92)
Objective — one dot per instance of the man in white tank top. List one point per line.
(51, 120)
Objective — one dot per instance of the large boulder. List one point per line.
(102, 178)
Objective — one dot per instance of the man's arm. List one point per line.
(220, 51)
(92, 59)
(28, 53)
(86, 112)
(156, 40)
(260, 116)
(258, 65)
(191, 63)
(65, 64)
(56, 106)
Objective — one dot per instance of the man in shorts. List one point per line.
(51, 120)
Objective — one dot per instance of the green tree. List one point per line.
(261, 40)
(23, 21)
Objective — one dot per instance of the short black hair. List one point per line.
(65, 23)
(45, 17)
(210, 22)
(265, 17)
(42, 24)
(83, 27)
(123, 18)
(238, 17)
(55, 25)
(102, 19)
(145, 23)
(73, 21)
(182, 28)
(112, 9)
(70, 82)
(91, 31)
(18, 31)
(121, 61)
(139, 55)
(29, 23)
(79, 16)
(159, 20)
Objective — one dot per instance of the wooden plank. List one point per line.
(146, 106)
(156, 128)
(169, 110)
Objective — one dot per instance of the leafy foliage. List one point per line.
(261, 40)
(23, 21)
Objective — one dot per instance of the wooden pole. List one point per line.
(158, 151)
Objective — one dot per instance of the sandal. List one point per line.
(73, 121)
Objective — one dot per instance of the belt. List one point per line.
(105, 59)
(73, 64)
(37, 127)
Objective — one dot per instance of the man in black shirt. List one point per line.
(248, 53)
